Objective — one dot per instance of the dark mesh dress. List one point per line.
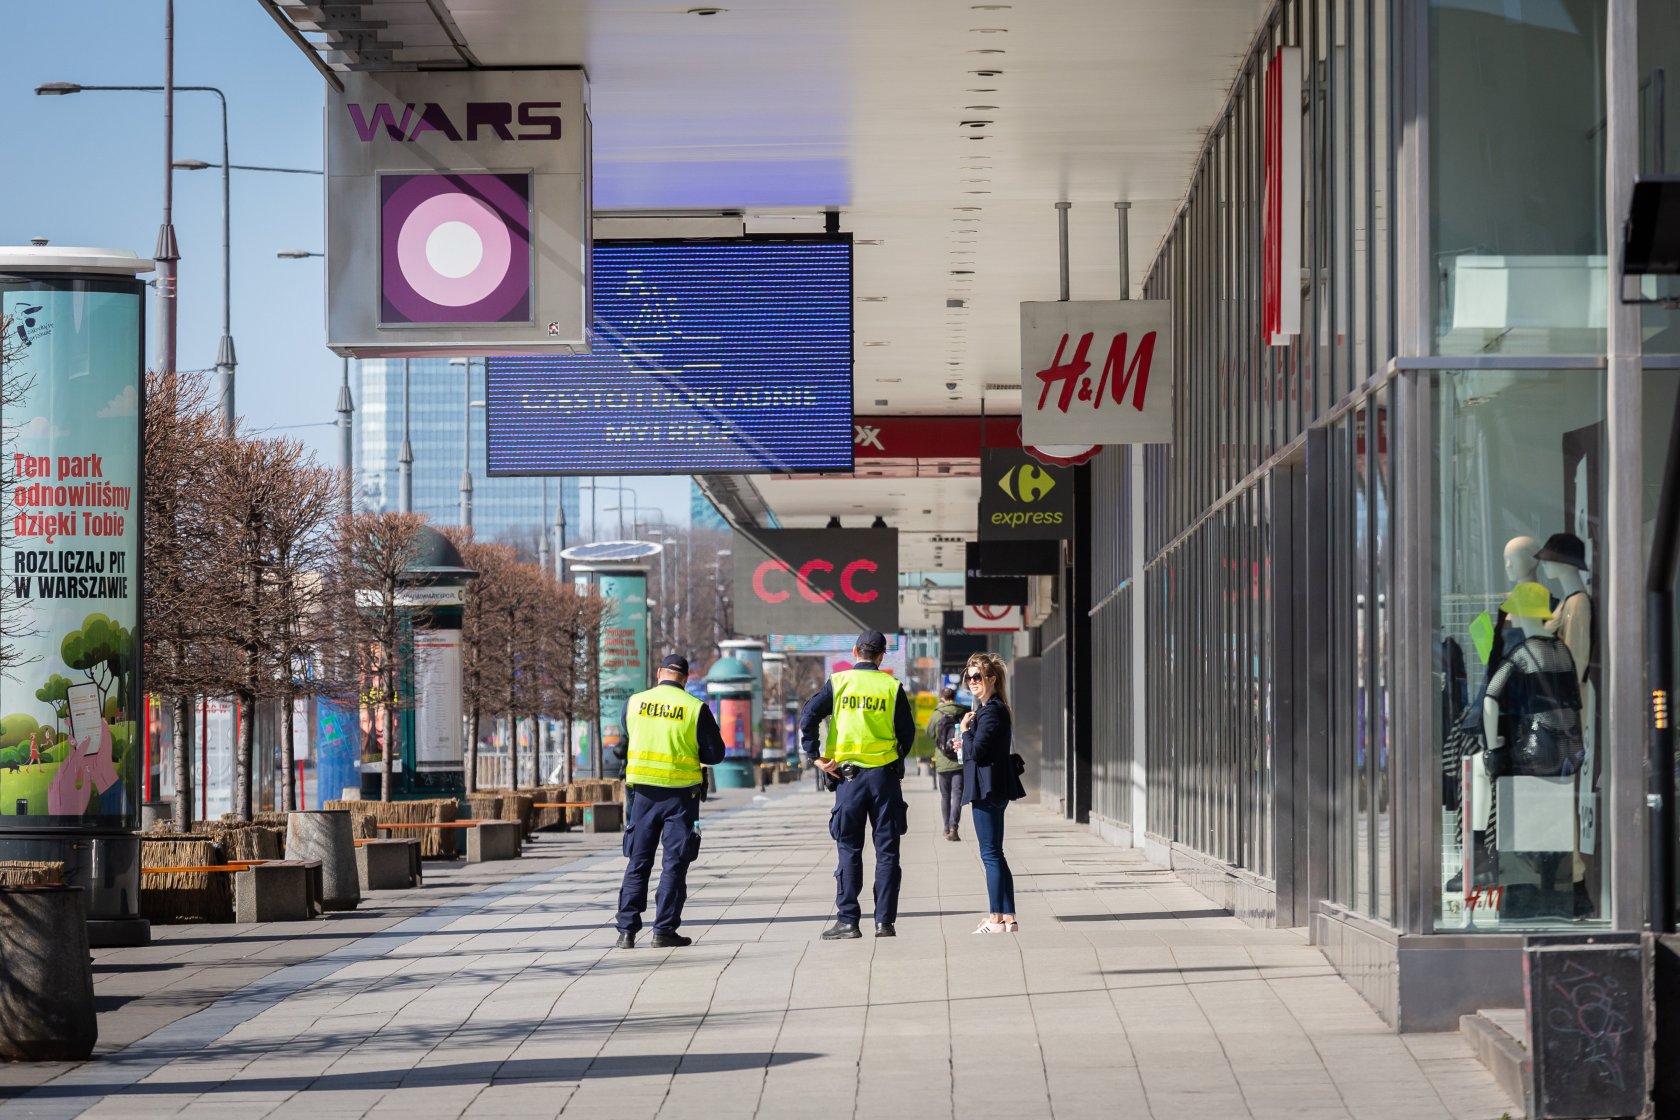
(1536, 687)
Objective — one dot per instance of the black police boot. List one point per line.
(626, 941)
(885, 929)
(841, 931)
(670, 940)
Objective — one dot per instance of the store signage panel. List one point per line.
(932, 437)
(1280, 240)
(1096, 372)
(956, 643)
(1020, 499)
(458, 212)
(816, 581)
(723, 356)
(981, 619)
(991, 585)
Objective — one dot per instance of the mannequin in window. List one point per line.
(1562, 561)
(1501, 639)
(1531, 714)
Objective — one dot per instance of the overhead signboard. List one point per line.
(955, 642)
(724, 356)
(1280, 241)
(981, 585)
(1013, 558)
(816, 581)
(932, 437)
(1022, 500)
(981, 619)
(1096, 372)
(458, 212)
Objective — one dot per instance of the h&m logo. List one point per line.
(540, 120)
(1118, 374)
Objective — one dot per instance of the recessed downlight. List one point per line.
(985, 73)
(965, 208)
(980, 136)
(962, 272)
(989, 7)
(977, 192)
(872, 299)
(877, 344)
(707, 11)
(869, 241)
(988, 50)
(979, 108)
(989, 30)
(977, 123)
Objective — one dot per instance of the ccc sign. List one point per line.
(816, 581)
(805, 578)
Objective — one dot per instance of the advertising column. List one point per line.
(623, 660)
(70, 695)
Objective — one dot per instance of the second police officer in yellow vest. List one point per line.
(871, 728)
(670, 735)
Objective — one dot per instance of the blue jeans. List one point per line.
(988, 832)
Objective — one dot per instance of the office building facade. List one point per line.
(512, 510)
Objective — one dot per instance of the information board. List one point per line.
(707, 356)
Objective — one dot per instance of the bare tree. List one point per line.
(183, 450)
(483, 666)
(379, 548)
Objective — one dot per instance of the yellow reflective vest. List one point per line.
(664, 742)
(860, 729)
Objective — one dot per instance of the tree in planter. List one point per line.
(183, 449)
(303, 546)
(483, 609)
(375, 625)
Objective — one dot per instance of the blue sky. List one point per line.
(87, 170)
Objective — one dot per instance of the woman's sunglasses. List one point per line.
(974, 677)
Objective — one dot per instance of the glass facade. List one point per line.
(1349, 627)
(513, 510)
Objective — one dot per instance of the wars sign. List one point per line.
(1096, 372)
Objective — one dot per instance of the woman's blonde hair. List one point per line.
(991, 665)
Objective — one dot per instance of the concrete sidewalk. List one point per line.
(1125, 994)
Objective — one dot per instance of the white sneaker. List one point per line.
(988, 926)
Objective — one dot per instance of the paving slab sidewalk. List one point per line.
(496, 992)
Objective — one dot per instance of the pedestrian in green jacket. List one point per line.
(947, 762)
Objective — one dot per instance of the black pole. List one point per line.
(1659, 648)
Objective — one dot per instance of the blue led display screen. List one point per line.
(709, 356)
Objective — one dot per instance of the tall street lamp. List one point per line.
(465, 364)
(346, 403)
(405, 457)
(225, 359)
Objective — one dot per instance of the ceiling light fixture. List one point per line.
(980, 108)
(880, 402)
(833, 523)
(869, 241)
(965, 208)
(986, 73)
(707, 11)
(962, 272)
(988, 50)
(877, 344)
(976, 124)
(989, 30)
(879, 522)
(872, 299)
(989, 7)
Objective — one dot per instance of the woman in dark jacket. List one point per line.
(990, 782)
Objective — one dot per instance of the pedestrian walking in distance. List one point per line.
(672, 734)
(870, 730)
(947, 763)
(991, 781)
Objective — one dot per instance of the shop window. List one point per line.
(1518, 578)
(1516, 129)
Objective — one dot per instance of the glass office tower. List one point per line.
(1364, 641)
(512, 510)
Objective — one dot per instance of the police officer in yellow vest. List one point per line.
(671, 734)
(870, 729)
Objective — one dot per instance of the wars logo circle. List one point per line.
(455, 248)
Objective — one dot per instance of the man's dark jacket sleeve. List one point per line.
(817, 709)
(711, 738)
(904, 722)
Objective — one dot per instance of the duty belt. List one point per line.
(850, 770)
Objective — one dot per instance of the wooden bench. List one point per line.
(415, 826)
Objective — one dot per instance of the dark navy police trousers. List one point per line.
(659, 817)
(871, 799)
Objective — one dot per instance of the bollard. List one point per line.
(326, 836)
(46, 976)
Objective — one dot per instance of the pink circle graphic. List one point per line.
(443, 282)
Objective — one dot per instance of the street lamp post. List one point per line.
(405, 457)
(466, 443)
(346, 403)
(167, 250)
(560, 536)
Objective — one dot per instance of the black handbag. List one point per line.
(1545, 751)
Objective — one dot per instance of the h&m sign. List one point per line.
(1096, 372)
